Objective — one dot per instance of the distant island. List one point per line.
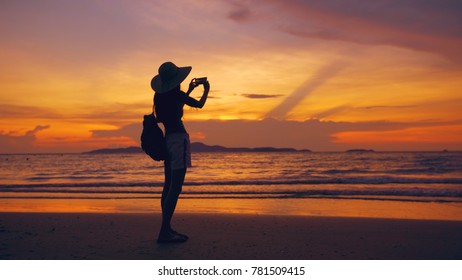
(198, 147)
(360, 151)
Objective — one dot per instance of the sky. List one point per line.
(319, 75)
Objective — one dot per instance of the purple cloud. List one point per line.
(20, 144)
(311, 134)
(431, 26)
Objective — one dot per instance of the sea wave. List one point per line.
(232, 189)
(372, 180)
(418, 192)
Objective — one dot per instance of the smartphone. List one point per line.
(198, 81)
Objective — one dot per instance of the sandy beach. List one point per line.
(117, 236)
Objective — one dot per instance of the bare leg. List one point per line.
(167, 182)
(169, 201)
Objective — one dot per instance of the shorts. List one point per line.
(179, 150)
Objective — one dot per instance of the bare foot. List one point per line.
(170, 237)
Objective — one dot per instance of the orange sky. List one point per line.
(306, 74)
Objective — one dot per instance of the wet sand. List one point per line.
(116, 236)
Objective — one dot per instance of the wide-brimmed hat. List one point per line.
(170, 76)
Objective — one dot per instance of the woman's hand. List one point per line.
(193, 102)
(192, 86)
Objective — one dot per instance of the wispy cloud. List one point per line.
(261, 96)
(38, 128)
(113, 113)
(24, 112)
(380, 107)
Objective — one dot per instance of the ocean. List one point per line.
(388, 176)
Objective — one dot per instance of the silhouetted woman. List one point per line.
(169, 101)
